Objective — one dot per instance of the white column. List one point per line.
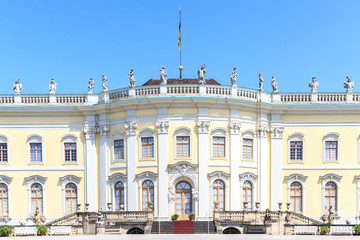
(131, 165)
(91, 183)
(163, 145)
(263, 162)
(276, 159)
(104, 166)
(235, 162)
(203, 149)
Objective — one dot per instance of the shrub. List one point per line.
(174, 216)
(5, 230)
(42, 230)
(191, 216)
(324, 230)
(357, 229)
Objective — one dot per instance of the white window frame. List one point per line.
(64, 181)
(142, 177)
(183, 132)
(220, 132)
(296, 137)
(5, 139)
(248, 134)
(331, 177)
(147, 132)
(118, 177)
(29, 182)
(7, 181)
(36, 138)
(252, 178)
(300, 179)
(332, 137)
(69, 138)
(117, 136)
(219, 175)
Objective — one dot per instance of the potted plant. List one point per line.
(324, 230)
(42, 230)
(191, 216)
(357, 230)
(5, 231)
(174, 217)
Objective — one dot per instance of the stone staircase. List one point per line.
(167, 227)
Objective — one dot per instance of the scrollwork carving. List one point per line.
(162, 126)
(203, 126)
(131, 128)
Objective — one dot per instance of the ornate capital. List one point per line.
(131, 128)
(234, 128)
(89, 132)
(262, 131)
(104, 130)
(162, 126)
(203, 126)
(277, 132)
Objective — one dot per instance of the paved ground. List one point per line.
(189, 237)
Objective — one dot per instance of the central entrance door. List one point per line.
(183, 202)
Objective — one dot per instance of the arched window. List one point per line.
(36, 198)
(219, 194)
(247, 194)
(3, 200)
(147, 194)
(119, 196)
(70, 198)
(296, 197)
(331, 195)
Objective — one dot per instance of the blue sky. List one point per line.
(72, 41)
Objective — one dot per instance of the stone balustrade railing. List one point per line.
(180, 89)
(70, 219)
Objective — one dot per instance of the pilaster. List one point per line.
(131, 164)
(104, 165)
(263, 162)
(276, 162)
(235, 162)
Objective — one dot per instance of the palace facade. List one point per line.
(185, 147)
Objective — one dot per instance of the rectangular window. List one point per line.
(3, 152)
(296, 150)
(183, 146)
(247, 148)
(331, 150)
(147, 147)
(35, 152)
(70, 152)
(218, 146)
(119, 149)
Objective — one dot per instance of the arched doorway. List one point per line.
(183, 200)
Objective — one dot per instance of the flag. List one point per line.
(179, 41)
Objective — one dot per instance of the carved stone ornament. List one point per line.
(262, 131)
(233, 77)
(277, 132)
(52, 86)
(163, 76)
(349, 85)
(195, 195)
(104, 130)
(131, 78)
(201, 74)
(183, 168)
(17, 86)
(274, 84)
(162, 126)
(131, 128)
(261, 81)
(90, 86)
(313, 85)
(171, 194)
(89, 132)
(234, 128)
(104, 83)
(203, 126)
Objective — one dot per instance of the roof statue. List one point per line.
(163, 76)
(201, 74)
(90, 86)
(274, 84)
(261, 82)
(349, 85)
(131, 78)
(104, 83)
(233, 77)
(52, 86)
(313, 85)
(17, 86)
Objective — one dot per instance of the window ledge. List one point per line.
(34, 163)
(119, 161)
(70, 163)
(147, 159)
(296, 162)
(248, 160)
(219, 158)
(183, 158)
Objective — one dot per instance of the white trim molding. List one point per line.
(7, 181)
(331, 177)
(182, 132)
(224, 177)
(300, 179)
(114, 178)
(252, 178)
(357, 179)
(64, 181)
(142, 177)
(332, 136)
(298, 137)
(29, 182)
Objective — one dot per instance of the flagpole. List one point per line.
(180, 67)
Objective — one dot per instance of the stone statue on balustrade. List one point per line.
(267, 218)
(104, 83)
(201, 74)
(163, 76)
(274, 84)
(349, 85)
(314, 85)
(131, 78)
(233, 77)
(52, 86)
(17, 86)
(331, 215)
(261, 82)
(90, 86)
